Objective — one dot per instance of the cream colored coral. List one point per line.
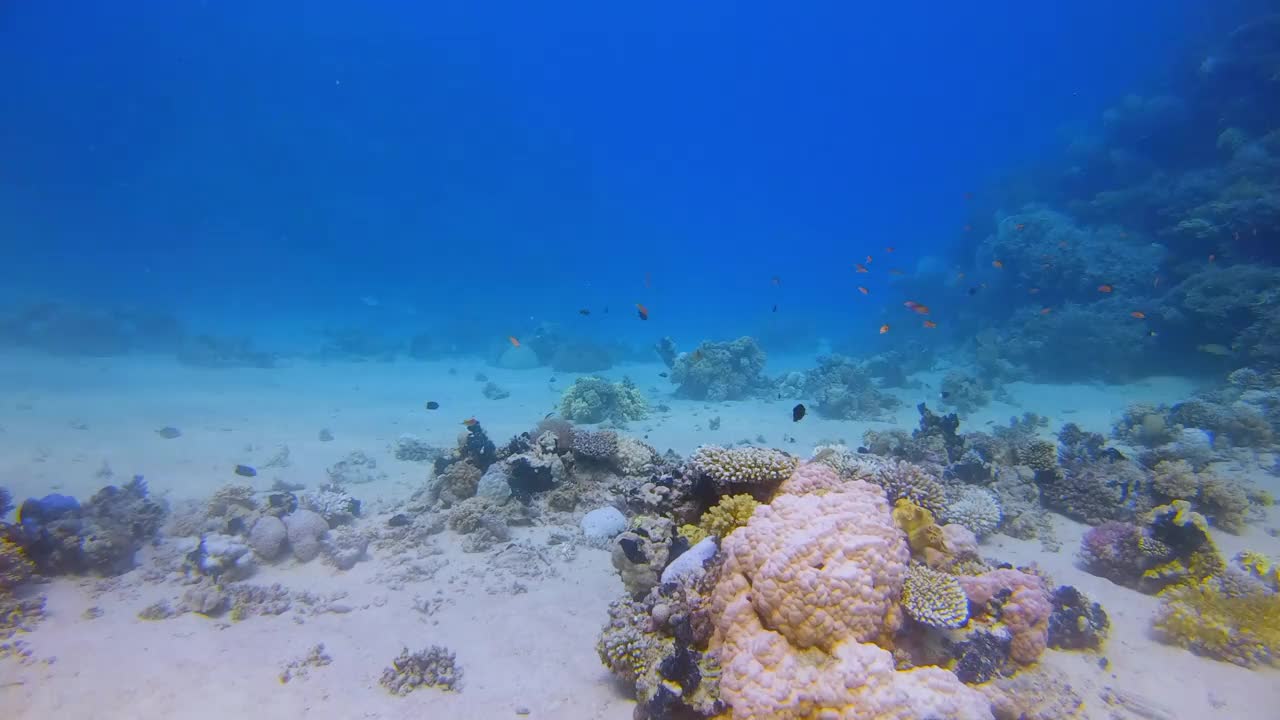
(812, 478)
(634, 457)
(934, 598)
(743, 465)
(807, 585)
(819, 568)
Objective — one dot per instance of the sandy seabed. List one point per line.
(524, 636)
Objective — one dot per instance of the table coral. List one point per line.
(729, 467)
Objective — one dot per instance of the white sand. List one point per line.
(61, 420)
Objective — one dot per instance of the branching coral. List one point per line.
(934, 598)
(975, 508)
(731, 513)
(594, 400)
(730, 467)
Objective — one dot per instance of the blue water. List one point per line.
(258, 168)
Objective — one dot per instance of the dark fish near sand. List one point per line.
(662, 375)
(797, 413)
(433, 405)
(169, 432)
(246, 471)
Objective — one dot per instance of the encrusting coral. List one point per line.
(1244, 630)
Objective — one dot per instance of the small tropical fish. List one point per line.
(1045, 311)
(859, 267)
(1138, 314)
(433, 405)
(1020, 227)
(797, 413)
(662, 374)
(584, 312)
(471, 422)
(930, 324)
(997, 264)
(775, 308)
(169, 432)
(1105, 288)
(884, 328)
(920, 309)
(642, 311)
(863, 290)
(909, 304)
(246, 471)
(777, 281)
(514, 342)
(1152, 333)
(889, 249)
(959, 276)
(1214, 349)
(973, 291)
(896, 271)
(868, 259)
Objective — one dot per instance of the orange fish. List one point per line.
(1020, 227)
(1105, 288)
(642, 311)
(920, 309)
(514, 342)
(863, 290)
(868, 259)
(889, 249)
(470, 422)
(1033, 291)
(884, 328)
(1138, 314)
(1045, 311)
(997, 264)
(930, 324)
(910, 304)
(859, 267)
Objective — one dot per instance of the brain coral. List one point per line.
(807, 586)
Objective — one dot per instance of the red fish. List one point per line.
(514, 342)
(859, 267)
(1105, 288)
(863, 290)
(997, 264)
(642, 311)
(930, 324)
(884, 328)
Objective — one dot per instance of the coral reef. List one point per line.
(595, 400)
(1171, 548)
(731, 513)
(1077, 623)
(356, 468)
(435, 666)
(333, 504)
(595, 445)
(718, 371)
(1020, 602)
(641, 552)
(842, 389)
(964, 392)
(1093, 483)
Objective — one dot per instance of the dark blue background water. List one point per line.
(272, 163)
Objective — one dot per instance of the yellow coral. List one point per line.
(693, 533)
(1259, 566)
(922, 532)
(1179, 530)
(934, 598)
(15, 568)
(729, 514)
(1243, 630)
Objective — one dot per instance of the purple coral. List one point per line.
(1112, 550)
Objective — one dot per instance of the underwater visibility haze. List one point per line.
(713, 360)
